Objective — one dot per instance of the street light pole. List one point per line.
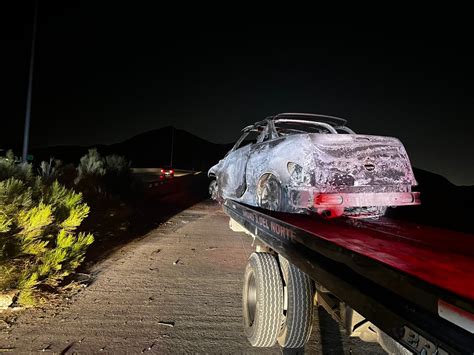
(30, 89)
(172, 146)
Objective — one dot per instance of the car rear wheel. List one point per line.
(262, 300)
(269, 195)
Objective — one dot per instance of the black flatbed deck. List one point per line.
(406, 305)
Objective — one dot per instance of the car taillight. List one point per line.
(328, 199)
(162, 171)
(171, 171)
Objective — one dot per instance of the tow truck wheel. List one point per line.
(262, 300)
(298, 316)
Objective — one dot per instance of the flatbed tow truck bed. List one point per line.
(413, 282)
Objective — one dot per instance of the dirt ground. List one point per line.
(177, 290)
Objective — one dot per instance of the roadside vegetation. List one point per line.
(43, 210)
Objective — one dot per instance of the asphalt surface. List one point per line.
(177, 290)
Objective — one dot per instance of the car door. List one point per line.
(231, 176)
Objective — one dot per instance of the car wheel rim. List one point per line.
(270, 195)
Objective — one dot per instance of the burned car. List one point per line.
(310, 163)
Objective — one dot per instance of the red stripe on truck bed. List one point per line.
(440, 257)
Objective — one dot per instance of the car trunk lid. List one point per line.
(355, 162)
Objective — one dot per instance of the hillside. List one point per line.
(149, 149)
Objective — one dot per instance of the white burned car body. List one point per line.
(303, 163)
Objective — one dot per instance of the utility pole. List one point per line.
(26, 135)
(172, 143)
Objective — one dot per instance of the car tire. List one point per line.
(213, 189)
(297, 321)
(269, 194)
(262, 300)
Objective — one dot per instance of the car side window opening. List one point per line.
(249, 137)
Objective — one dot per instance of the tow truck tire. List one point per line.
(297, 322)
(262, 300)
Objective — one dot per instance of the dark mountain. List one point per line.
(169, 146)
(160, 147)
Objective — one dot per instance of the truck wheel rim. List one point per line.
(251, 299)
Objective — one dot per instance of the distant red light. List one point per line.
(162, 171)
(172, 171)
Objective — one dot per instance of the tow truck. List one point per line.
(408, 287)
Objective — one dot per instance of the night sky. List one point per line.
(105, 73)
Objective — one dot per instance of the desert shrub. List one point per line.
(9, 167)
(117, 179)
(50, 171)
(91, 164)
(90, 173)
(115, 164)
(98, 176)
(68, 175)
(39, 242)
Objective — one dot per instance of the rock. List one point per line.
(6, 299)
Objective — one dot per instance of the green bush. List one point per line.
(90, 173)
(10, 168)
(51, 170)
(91, 164)
(109, 175)
(39, 242)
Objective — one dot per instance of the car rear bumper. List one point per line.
(365, 199)
(309, 198)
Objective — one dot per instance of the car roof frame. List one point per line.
(332, 120)
(314, 123)
(336, 122)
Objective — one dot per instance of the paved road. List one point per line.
(153, 174)
(175, 291)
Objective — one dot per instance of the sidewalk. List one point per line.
(178, 290)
